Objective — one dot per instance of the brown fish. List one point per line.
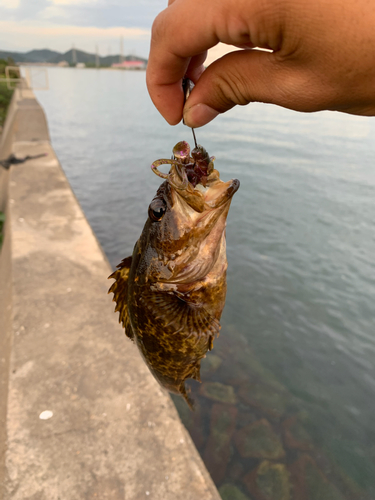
(171, 292)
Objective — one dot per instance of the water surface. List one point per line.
(297, 342)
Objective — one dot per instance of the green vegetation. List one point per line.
(93, 65)
(5, 97)
(5, 93)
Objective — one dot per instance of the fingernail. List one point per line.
(198, 115)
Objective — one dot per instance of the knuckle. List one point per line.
(230, 89)
(158, 27)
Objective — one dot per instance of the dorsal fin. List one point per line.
(120, 293)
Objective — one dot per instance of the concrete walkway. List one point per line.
(114, 433)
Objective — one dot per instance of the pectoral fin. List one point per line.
(120, 291)
(175, 316)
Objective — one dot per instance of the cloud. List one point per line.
(130, 13)
(25, 9)
(30, 35)
(72, 31)
(54, 11)
(99, 13)
(10, 4)
(71, 2)
(29, 24)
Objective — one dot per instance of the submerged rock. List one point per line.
(311, 483)
(296, 435)
(258, 440)
(245, 417)
(247, 367)
(210, 365)
(270, 481)
(218, 392)
(231, 492)
(264, 398)
(218, 449)
(236, 470)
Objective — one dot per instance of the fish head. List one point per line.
(186, 223)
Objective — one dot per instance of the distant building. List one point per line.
(130, 65)
(63, 64)
(80, 65)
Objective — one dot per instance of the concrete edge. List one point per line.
(19, 135)
(5, 286)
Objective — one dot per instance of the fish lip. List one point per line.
(234, 186)
(225, 194)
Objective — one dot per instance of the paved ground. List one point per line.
(114, 433)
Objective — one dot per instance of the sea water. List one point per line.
(297, 345)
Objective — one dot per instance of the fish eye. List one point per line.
(157, 209)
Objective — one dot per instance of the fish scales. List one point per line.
(170, 293)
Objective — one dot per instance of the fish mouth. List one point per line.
(205, 199)
(200, 198)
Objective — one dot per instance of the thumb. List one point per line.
(245, 76)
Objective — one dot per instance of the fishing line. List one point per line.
(195, 139)
(187, 87)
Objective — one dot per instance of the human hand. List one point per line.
(323, 56)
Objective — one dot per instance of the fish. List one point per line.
(170, 293)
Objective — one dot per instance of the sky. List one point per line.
(58, 24)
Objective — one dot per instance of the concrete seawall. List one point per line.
(114, 433)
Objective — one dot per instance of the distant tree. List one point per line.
(5, 93)
(5, 97)
(7, 62)
(3, 64)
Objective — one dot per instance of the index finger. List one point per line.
(181, 31)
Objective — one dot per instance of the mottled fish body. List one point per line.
(171, 292)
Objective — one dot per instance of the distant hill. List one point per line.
(36, 56)
(53, 57)
(40, 55)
